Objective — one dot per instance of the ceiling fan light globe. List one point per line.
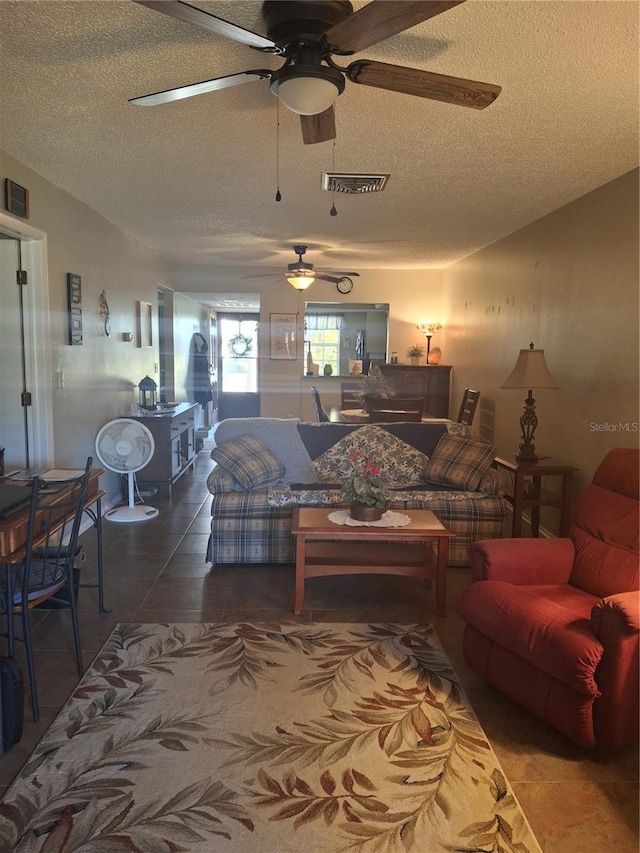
(300, 281)
(307, 93)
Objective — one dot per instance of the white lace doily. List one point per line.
(389, 519)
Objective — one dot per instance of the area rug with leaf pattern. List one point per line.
(265, 738)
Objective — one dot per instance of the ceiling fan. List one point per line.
(307, 33)
(301, 274)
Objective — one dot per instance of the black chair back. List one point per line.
(321, 415)
(468, 406)
(46, 572)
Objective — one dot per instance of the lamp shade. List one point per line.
(530, 372)
(306, 95)
(429, 328)
(300, 280)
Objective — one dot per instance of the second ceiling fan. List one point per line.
(307, 34)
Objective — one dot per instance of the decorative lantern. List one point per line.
(147, 393)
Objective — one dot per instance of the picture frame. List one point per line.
(283, 344)
(74, 309)
(144, 324)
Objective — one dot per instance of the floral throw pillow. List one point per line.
(401, 464)
(459, 462)
(248, 460)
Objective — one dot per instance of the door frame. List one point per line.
(33, 250)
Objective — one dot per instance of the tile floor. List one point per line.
(576, 802)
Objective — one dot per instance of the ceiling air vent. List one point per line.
(350, 182)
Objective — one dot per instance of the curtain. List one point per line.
(319, 322)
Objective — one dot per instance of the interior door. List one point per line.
(14, 360)
(238, 393)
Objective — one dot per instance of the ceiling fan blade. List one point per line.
(201, 88)
(381, 19)
(318, 128)
(336, 277)
(424, 84)
(207, 21)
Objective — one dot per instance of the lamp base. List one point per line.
(526, 455)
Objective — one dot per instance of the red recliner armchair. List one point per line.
(554, 623)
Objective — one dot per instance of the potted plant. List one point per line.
(415, 353)
(366, 493)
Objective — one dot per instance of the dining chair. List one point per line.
(46, 571)
(394, 409)
(321, 415)
(468, 406)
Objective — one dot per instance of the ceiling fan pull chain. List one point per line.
(333, 211)
(278, 193)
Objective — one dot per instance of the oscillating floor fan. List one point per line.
(126, 446)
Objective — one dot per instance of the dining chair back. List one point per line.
(321, 415)
(468, 406)
(351, 395)
(394, 409)
(46, 571)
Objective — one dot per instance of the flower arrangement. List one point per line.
(365, 486)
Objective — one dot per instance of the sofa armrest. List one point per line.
(616, 614)
(615, 621)
(522, 561)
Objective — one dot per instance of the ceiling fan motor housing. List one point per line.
(291, 21)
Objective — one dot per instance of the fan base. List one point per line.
(131, 513)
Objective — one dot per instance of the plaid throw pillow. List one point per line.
(248, 460)
(459, 462)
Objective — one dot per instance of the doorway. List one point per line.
(237, 359)
(26, 419)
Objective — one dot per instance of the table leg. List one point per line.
(518, 493)
(441, 575)
(300, 567)
(535, 510)
(565, 513)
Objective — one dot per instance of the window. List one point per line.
(325, 348)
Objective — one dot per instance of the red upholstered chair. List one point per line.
(554, 623)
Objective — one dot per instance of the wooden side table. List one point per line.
(528, 491)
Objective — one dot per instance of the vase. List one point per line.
(364, 512)
(415, 360)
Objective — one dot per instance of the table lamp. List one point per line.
(428, 330)
(531, 372)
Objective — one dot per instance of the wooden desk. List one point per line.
(528, 491)
(14, 528)
(324, 548)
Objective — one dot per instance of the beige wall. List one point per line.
(99, 377)
(413, 295)
(569, 283)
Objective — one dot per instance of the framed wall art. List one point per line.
(283, 336)
(144, 324)
(74, 308)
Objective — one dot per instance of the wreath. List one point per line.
(240, 346)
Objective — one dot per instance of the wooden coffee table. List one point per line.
(324, 548)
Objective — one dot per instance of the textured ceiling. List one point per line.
(196, 179)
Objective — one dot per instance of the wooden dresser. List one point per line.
(429, 381)
(174, 435)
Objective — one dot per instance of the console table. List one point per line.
(174, 435)
(430, 381)
(528, 491)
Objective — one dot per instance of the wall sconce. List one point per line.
(530, 372)
(428, 330)
(147, 389)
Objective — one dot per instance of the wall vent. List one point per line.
(353, 183)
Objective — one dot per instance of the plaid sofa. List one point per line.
(427, 465)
